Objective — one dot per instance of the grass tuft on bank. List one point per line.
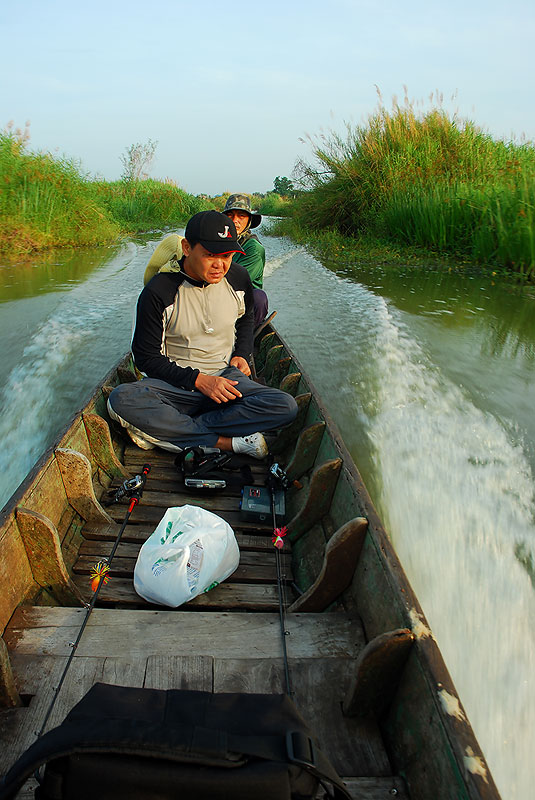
(428, 180)
(47, 202)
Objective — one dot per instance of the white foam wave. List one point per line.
(457, 493)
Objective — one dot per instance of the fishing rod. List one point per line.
(278, 478)
(132, 488)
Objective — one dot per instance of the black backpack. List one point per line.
(122, 743)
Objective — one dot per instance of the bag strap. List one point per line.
(180, 743)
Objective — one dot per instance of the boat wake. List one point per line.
(67, 354)
(457, 494)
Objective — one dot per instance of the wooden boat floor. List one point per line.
(213, 644)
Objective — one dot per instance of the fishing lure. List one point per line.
(277, 538)
(99, 574)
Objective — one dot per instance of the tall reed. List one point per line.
(426, 179)
(48, 202)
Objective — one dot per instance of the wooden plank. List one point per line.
(9, 696)
(75, 471)
(137, 534)
(194, 673)
(263, 348)
(252, 557)
(279, 371)
(306, 450)
(320, 492)
(289, 434)
(144, 515)
(133, 634)
(43, 549)
(341, 556)
(377, 673)
(245, 573)
(319, 685)
(76, 439)
(307, 556)
(252, 597)
(47, 494)
(100, 443)
(16, 576)
(272, 358)
(212, 501)
(290, 383)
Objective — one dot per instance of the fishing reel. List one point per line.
(130, 487)
(278, 476)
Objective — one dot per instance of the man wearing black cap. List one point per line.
(192, 342)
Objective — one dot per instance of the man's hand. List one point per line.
(217, 388)
(241, 364)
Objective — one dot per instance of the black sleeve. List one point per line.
(240, 280)
(159, 293)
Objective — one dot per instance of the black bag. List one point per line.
(121, 743)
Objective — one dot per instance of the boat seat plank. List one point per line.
(139, 534)
(134, 456)
(252, 597)
(164, 480)
(245, 573)
(212, 501)
(252, 556)
(43, 630)
(152, 515)
(319, 685)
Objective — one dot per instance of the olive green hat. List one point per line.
(242, 202)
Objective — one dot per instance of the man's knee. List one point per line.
(288, 408)
(122, 399)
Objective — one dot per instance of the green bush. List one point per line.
(145, 204)
(47, 202)
(425, 179)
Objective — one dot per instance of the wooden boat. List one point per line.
(367, 673)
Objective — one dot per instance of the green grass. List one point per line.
(146, 204)
(425, 179)
(272, 204)
(48, 202)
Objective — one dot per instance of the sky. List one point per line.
(232, 92)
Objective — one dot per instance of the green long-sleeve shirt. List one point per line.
(254, 260)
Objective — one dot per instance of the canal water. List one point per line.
(430, 378)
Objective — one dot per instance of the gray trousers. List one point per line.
(174, 418)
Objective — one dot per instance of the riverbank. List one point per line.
(48, 203)
(417, 182)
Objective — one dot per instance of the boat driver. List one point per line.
(238, 209)
(192, 343)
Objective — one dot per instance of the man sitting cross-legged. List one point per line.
(193, 340)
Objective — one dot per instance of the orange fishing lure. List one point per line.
(99, 573)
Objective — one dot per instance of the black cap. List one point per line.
(214, 231)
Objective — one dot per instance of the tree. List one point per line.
(283, 186)
(137, 160)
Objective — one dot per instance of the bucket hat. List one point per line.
(242, 202)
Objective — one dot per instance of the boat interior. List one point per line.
(365, 671)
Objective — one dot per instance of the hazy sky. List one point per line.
(229, 89)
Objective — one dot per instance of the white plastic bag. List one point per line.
(191, 551)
